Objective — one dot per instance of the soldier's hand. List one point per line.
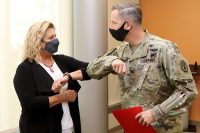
(119, 66)
(145, 118)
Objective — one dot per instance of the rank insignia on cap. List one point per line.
(184, 66)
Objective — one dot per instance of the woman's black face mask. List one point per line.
(52, 46)
(119, 34)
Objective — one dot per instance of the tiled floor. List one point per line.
(197, 128)
(120, 131)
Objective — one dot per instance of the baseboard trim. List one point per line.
(114, 107)
(114, 129)
(194, 122)
(13, 130)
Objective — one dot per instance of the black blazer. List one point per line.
(33, 87)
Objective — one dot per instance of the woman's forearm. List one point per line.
(56, 99)
(76, 75)
(64, 96)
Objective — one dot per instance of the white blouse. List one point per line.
(56, 73)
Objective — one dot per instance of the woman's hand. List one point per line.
(71, 95)
(59, 83)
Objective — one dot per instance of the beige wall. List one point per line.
(113, 85)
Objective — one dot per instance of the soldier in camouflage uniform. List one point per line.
(157, 76)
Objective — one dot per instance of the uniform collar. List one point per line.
(142, 49)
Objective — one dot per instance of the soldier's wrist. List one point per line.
(110, 60)
(157, 112)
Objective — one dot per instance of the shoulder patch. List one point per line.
(184, 66)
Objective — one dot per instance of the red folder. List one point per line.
(126, 118)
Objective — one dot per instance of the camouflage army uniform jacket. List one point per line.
(158, 78)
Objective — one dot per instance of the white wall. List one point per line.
(9, 106)
(10, 55)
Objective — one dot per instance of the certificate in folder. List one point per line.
(126, 118)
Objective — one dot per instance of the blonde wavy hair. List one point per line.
(33, 39)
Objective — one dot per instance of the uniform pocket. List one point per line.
(146, 78)
(142, 76)
(137, 76)
(152, 81)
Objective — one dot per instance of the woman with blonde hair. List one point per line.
(45, 110)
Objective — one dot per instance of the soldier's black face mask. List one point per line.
(119, 34)
(52, 46)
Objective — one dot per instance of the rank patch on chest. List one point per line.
(184, 66)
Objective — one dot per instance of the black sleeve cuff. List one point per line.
(85, 74)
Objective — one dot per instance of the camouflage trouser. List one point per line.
(163, 130)
(168, 128)
(174, 130)
(171, 125)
